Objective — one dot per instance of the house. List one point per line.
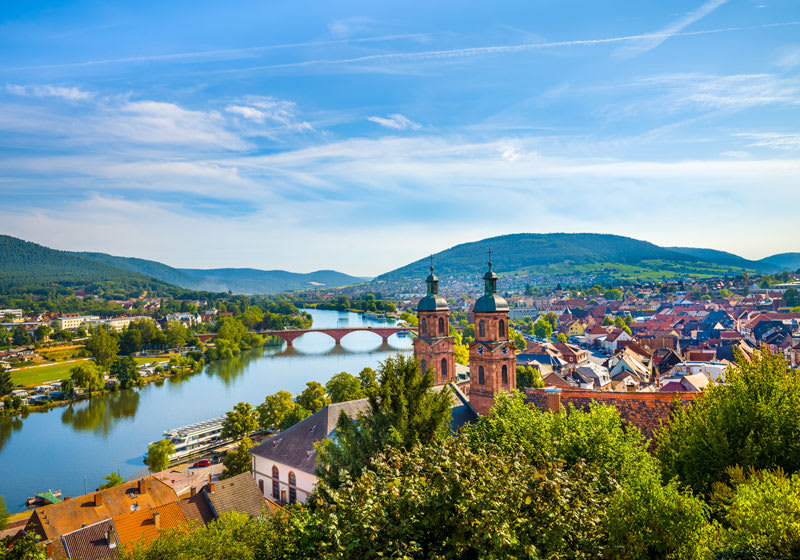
(571, 354)
(611, 343)
(599, 375)
(239, 493)
(284, 466)
(146, 525)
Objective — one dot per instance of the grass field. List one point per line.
(30, 377)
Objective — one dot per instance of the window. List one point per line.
(441, 325)
(501, 328)
(505, 375)
(424, 367)
(423, 327)
(481, 328)
(261, 486)
(481, 376)
(292, 488)
(276, 485)
(444, 368)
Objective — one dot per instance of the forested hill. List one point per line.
(556, 253)
(23, 262)
(784, 261)
(723, 257)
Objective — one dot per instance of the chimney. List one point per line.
(553, 400)
(157, 520)
(192, 491)
(48, 547)
(209, 477)
(98, 499)
(111, 539)
(141, 487)
(211, 487)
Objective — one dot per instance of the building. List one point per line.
(72, 322)
(492, 360)
(434, 347)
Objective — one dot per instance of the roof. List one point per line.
(432, 302)
(461, 412)
(54, 520)
(196, 508)
(490, 303)
(140, 526)
(295, 445)
(92, 542)
(238, 493)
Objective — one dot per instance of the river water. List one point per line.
(72, 448)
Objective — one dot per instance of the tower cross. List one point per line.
(490, 258)
(431, 263)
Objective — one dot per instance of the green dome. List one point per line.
(490, 301)
(432, 301)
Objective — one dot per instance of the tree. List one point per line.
(240, 421)
(24, 547)
(103, 346)
(369, 380)
(607, 321)
(344, 387)
(131, 341)
(274, 409)
(542, 328)
(519, 341)
(527, 376)
(126, 371)
(751, 420)
(238, 461)
(551, 318)
(68, 387)
(562, 337)
(404, 412)
(112, 479)
(295, 415)
(6, 384)
(3, 514)
(88, 376)
(791, 297)
(177, 334)
(313, 397)
(20, 336)
(461, 354)
(613, 294)
(157, 458)
(42, 332)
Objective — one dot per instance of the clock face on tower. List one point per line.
(480, 350)
(505, 350)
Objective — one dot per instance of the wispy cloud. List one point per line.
(68, 93)
(272, 111)
(396, 121)
(645, 44)
(774, 140)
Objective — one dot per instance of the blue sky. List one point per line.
(360, 136)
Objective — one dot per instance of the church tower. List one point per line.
(434, 347)
(492, 361)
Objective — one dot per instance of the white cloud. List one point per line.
(68, 93)
(789, 58)
(396, 121)
(774, 140)
(276, 112)
(648, 43)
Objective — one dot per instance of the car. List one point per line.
(203, 463)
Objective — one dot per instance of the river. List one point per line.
(72, 448)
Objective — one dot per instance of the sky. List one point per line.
(359, 136)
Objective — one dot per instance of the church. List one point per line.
(492, 360)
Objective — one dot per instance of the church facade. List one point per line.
(492, 359)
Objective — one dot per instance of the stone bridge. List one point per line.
(337, 334)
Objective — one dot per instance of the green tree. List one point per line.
(6, 384)
(404, 412)
(613, 294)
(240, 421)
(461, 354)
(177, 334)
(607, 321)
(562, 337)
(551, 318)
(126, 371)
(238, 461)
(313, 397)
(103, 345)
(23, 548)
(369, 380)
(68, 387)
(20, 336)
(157, 457)
(42, 332)
(519, 341)
(3, 515)
(542, 328)
(344, 387)
(751, 420)
(527, 376)
(88, 376)
(295, 415)
(791, 297)
(274, 410)
(131, 341)
(112, 479)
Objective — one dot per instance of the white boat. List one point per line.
(194, 438)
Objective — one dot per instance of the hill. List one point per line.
(784, 261)
(723, 258)
(553, 254)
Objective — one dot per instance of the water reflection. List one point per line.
(100, 414)
(7, 427)
(231, 369)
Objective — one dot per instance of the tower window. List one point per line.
(501, 328)
(444, 368)
(481, 328)
(292, 488)
(505, 375)
(441, 325)
(424, 367)
(424, 327)
(481, 376)
(275, 484)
